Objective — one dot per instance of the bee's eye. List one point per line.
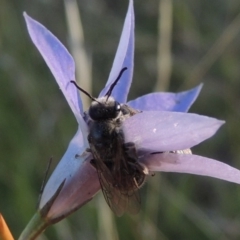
(118, 107)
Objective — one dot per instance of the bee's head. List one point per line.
(104, 108)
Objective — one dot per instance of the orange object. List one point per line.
(5, 234)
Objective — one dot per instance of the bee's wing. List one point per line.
(112, 184)
(126, 194)
(118, 200)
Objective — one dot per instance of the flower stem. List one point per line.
(34, 228)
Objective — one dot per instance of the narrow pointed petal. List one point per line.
(79, 177)
(58, 60)
(168, 131)
(123, 58)
(173, 102)
(66, 168)
(193, 164)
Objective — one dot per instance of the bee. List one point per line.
(119, 172)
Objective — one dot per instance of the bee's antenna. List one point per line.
(85, 92)
(109, 92)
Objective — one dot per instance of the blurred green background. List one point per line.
(195, 41)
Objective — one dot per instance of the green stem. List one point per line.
(34, 228)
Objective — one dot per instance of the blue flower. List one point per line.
(162, 126)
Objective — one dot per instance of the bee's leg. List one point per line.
(88, 150)
(184, 151)
(109, 164)
(139, 167)
(152, 153)
(131, 151)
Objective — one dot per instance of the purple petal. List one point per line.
(81, 180)
(174, 102)
(124, 58)
(58, 60)
(193, 164)
(168, 131)
(77, 191)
